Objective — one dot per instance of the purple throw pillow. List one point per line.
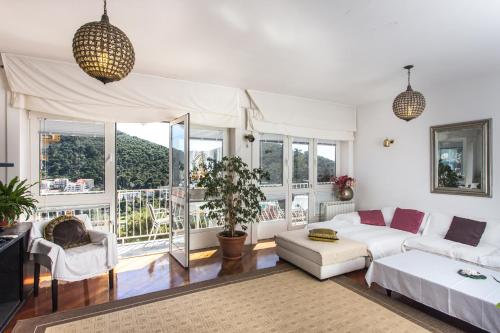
(465, 231)
(407, 220)
(372, 217)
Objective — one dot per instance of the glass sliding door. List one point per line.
(179, 189)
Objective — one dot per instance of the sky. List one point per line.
(159, 134)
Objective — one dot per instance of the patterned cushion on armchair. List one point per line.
(67, 232)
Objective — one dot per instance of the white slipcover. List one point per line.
(78, 263)
(433, 280)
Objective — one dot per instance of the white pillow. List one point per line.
(438, 225)
(349, 217)
(491, 234)
(388, 213)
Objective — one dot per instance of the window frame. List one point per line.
(287, 189)
(76, 200)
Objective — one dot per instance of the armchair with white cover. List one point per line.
(73, 264)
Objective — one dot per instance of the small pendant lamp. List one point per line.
(409, 104)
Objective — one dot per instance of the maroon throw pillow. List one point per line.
(407, 220)
(465, 231)
(372, 217)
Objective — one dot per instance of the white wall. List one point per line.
(14, 136)
(400, 175)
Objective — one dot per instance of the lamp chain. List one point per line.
(105, 8)
(408, 72)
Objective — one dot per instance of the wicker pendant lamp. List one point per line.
(103, 51)
(409, 104)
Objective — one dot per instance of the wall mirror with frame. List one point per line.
(461, 158)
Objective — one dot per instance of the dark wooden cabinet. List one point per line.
(13, 254)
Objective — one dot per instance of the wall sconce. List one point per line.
(388, 142)
(250, 138)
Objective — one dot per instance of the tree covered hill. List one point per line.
(140, 163)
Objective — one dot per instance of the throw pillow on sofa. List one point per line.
(465, 231)
(372, 217)
(407, 220)
(67, 232)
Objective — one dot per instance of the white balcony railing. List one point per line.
(134, 223)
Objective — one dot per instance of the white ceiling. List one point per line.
(348, 51)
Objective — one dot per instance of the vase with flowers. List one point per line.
(344, 186)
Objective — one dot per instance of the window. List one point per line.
(204, 144)
(272, 209)
(271, 159)
(300, 208)
(300, 168)
(326, 162)
(71, 157)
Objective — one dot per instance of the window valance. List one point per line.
(61, 88)
(300, 117)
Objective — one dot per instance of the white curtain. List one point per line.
(62, 88)
(300, 117)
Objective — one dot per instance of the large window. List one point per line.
(300, 168)
(72, 157)
(326, 162)
(301, 171)
(204, 144)
(271, 159)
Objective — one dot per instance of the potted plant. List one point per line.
(233, 198)
(15, 200)
(344, 185)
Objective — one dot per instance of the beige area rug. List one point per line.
(286, 300)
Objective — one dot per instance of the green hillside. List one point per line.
(140, 163)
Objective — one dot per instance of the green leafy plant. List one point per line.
(446, 176)
(15, 200)
(498, 306)
(232, 193)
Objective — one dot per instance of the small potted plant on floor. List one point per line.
(15, 200)
(233, 198)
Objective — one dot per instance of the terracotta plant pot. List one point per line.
(232, 247)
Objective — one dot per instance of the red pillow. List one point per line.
(372, 217)
(407, 220)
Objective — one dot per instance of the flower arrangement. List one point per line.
(343, 182)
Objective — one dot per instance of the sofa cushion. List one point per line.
(438, 225)
(67, 232)
(465, 231)
(485, 255)
(372, 217)
(407, 220)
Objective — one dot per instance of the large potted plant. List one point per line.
(233, 198)
(15, 200)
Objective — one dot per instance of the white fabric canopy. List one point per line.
(62, 88)
(301, 117)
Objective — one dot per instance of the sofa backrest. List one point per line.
(439, 223)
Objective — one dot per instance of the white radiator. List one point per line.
(328, 210)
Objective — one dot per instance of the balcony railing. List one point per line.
(134, 220)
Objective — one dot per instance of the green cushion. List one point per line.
(323, 233)
(67, 232)
(320, 239)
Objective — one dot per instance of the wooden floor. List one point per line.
(141, 275)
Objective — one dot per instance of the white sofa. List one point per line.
(382, 241)
(486, 253)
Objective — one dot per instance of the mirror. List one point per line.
(460, 157)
